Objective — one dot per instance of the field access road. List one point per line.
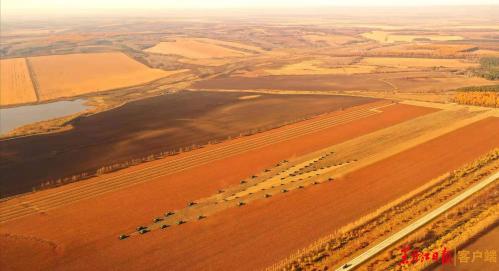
(357, 261)
(102, 185)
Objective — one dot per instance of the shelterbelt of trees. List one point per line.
(481, 96)
(489, 68)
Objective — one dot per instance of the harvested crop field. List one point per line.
(311, 67)
(75, 74)
(403, 81)
(388, 37)
(221, 242)
(200, 48)
(296, 82)
(122, 210)
(316, 211)
(149, 126)
(416, 62)
(433, 50)
(15, 84)
(331, 40)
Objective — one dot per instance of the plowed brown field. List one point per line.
(150, 126)
(82, 228)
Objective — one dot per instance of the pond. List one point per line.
(11, 118)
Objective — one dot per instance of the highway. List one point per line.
(357, 261)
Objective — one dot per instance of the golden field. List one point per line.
(387, 37)
(310, 67)
(76, 74)
(15, 83)
(331, 40)
(200, 48)
(416, 62)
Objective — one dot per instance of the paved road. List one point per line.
(91, 189)
(357, 261)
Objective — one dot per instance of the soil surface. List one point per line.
(88, 229)
(150, 126)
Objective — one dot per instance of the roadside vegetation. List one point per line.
(332, 250)
(480, 96)
(453, 230)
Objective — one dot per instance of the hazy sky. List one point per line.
(43, 9)
(7, 5)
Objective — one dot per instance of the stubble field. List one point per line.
(221, 241)
(75, 74)
(15, 85)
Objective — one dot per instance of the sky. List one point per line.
(40, 5)
(17, 9)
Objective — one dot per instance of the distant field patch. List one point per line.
(76, 74)
(236, 45)
(203, 48)
(15, 82)
(416, 62)
(387, 37)
(331, 40)
(422, 50)
(311, 67)
(444, 48)
(248, 97)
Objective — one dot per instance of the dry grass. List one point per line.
(15, 83)
(387, 37)
(486, 53)
(331, 40)
(76, 74)
(237, 45)
(211, 62)
(201, 48)
(248, 97)
(452, 230)
(311, 67)
(333, 249)
(426, 50)
(405, 62)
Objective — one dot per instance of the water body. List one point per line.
(11, 118)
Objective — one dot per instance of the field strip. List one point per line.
(320, 167)
(127, 181)
(409, 143)
(417, 224)
(231, 150)
(225, 146)
(104, 185)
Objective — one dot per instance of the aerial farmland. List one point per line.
(206, 138)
